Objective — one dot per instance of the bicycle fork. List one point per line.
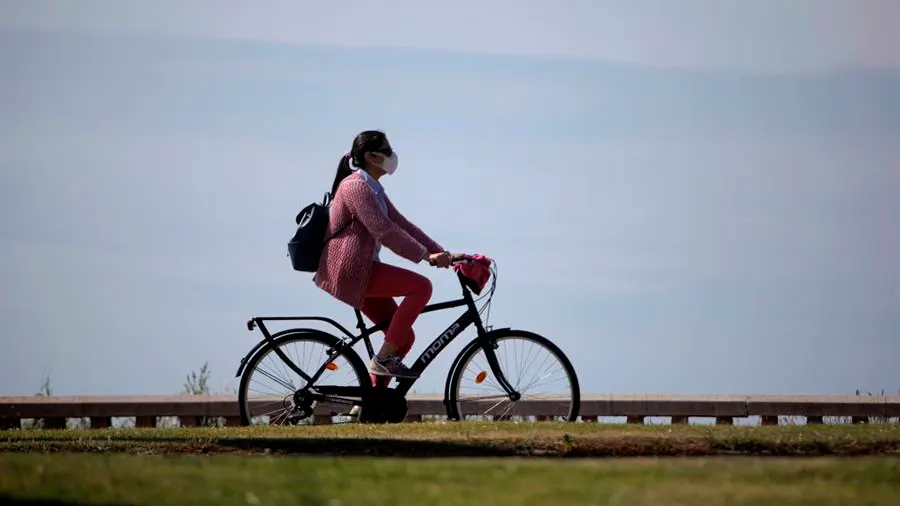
(489, 347)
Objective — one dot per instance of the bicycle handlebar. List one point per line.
(456, 258)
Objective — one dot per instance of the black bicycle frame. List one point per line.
(469, 317)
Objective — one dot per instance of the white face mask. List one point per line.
(389, 165)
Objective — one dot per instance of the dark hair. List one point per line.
(369, 140)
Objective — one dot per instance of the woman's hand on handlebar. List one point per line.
(441, 259)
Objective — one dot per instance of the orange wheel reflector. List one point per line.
(481, 377)
(331, 366)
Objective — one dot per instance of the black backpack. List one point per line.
(305, 247)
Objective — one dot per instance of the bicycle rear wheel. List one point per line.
(549, 390)
(268, 385)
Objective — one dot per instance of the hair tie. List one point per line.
(349, 155)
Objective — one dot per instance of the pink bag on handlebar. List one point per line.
(476, 273)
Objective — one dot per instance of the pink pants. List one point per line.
(387, 282)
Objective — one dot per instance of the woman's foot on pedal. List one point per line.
(390, 366)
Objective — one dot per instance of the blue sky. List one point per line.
(698, 198)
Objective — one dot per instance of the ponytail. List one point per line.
(343, 170)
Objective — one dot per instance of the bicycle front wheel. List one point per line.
(535, 367)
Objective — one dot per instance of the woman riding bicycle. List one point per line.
(350, 268)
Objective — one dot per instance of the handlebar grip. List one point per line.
(454, 259)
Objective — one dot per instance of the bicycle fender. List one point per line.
(264, 342)
(465, 349)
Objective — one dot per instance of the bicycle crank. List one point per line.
(384, 405)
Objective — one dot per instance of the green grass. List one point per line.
(473, 439)
(332, 481)
(248, 465)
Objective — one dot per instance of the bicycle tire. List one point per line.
(290, 336)
(456, 375)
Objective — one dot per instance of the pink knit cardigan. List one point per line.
(347, 259)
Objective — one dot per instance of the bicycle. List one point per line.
(381, 404)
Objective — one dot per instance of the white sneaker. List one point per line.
(391, 366)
